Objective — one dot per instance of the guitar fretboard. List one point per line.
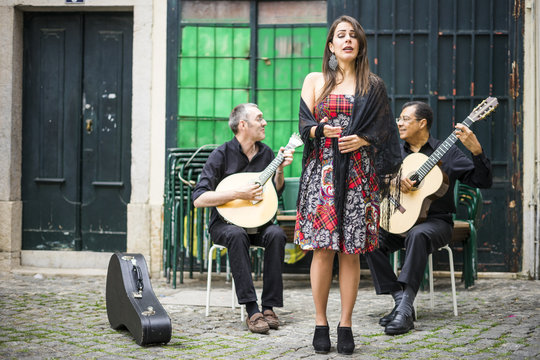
(267, 173)
(438, 154)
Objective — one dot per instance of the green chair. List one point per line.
(286, 215)
(183, 167)
(287, 200)
(468, 202)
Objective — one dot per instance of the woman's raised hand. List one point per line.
(331, 131)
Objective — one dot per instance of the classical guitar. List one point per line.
(431, 183)
(252, 214)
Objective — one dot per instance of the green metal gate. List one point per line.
(238, 59)
(451, 54)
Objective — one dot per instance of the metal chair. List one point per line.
(211, 252)
(183, 167)
(465, 228)
(430, 271)
(286, 214)
(452, 278)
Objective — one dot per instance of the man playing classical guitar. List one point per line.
(246, 153)
(423, 238)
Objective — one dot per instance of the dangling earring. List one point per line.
(332, 62)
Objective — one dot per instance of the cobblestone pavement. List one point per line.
(51, 316)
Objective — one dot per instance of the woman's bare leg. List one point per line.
(349, 278)
(321, 280)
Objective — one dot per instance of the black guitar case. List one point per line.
(131, 302)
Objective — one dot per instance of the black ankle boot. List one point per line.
(321, 339)
(345, 340)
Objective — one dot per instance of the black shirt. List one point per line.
(226, 160)
(456, 165)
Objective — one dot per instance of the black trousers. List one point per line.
(419, 242)
(237, 242)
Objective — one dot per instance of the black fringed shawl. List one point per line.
(373, 121)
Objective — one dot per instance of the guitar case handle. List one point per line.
(137, 276)
(138, 272)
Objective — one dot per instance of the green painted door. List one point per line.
(76, 131)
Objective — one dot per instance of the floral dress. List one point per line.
(316, 219)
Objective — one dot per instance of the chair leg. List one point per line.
(474, 255)
(452, 277)
(396, 259)
(228, 277)
(211, 252)
(233, 298)
(209, 278)
(431, 295)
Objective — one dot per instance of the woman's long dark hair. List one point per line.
(361, 63)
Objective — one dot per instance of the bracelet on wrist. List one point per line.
(319, 131)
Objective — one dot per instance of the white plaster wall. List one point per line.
(148, 142)
(10, 136)
(60, 5)
(10, 103)
(530, 137)
(536, 121)
(138, 215)
(157, 142)
(159, 77)
(148, 114)
(141, 107)
(6, 103)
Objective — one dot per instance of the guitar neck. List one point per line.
(294, 142)
(438, 154)
(267, 173)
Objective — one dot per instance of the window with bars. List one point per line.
(286, 55)
(215, 71)
(213, 78)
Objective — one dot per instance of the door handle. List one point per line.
(89, 124)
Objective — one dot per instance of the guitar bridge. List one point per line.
(396, 203)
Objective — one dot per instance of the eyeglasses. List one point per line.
(257, 119)
(405, 119)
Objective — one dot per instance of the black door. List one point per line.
(76, 131)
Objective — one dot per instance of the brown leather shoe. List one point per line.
(257, 324)
(271, 318)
